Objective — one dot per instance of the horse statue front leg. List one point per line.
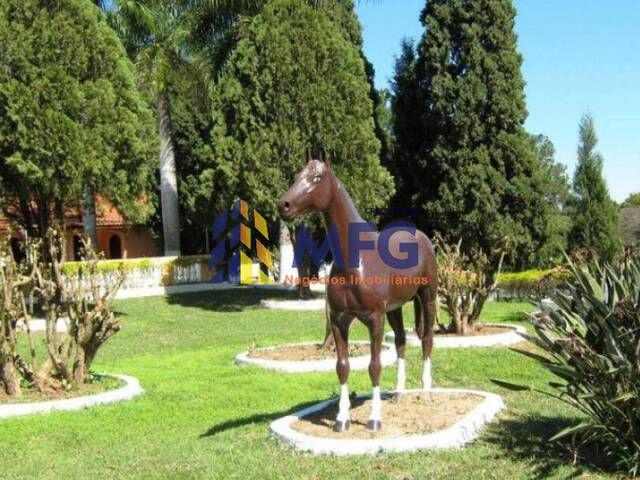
(376, 328)
(340, 329)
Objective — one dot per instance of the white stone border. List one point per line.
(458, 435)
(40, 325)
(453, 341)
(130, 390)
(387, 357)
(315, 304)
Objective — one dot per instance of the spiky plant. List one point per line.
(592, 342)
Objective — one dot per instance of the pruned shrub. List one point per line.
(85, 303)
(12, 309)
(592, 342)
(465, 282)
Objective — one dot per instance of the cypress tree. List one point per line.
(295, 80)
(475, 168)
(595, 214)
(557, 213)
(408, 137)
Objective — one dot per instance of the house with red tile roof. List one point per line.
(116, 236)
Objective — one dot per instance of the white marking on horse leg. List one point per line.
(426, 374)
(376, 405)
(343, 404)
(401, 378)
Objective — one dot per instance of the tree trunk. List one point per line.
(477, 308)
(168, 180)
(456, 321)
(80, 370)
(89, 216)
(8, 377)
(464, 325)
(288, 273)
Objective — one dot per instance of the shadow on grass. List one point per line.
(233, 300)
(526, 439)
(253, 419)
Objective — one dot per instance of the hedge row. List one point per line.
(168, 266)
(532, 282)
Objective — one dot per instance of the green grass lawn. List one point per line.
(203, 417)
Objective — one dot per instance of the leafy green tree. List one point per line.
(595, 215)
(178, 42)
(408, 134)
(630, 220)
(295, 81)
(468, 161)
(633, 200)
(381, 112)
(71, 118)
(557, 191)
(630, 226)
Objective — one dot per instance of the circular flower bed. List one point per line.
(438, 419)
(310, 357)
(490, 335)
(130, 390)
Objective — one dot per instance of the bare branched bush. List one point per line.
(466, 282)
(13, 281)
(82, 302)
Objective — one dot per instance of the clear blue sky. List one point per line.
(579, 56)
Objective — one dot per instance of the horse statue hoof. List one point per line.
(342, 426)
(374, 425)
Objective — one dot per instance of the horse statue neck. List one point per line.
(341, 213)
(341, 209)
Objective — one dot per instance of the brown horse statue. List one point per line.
(367, 287)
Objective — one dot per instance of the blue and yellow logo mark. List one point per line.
(235, 247)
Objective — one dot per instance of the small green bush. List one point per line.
(592, 342)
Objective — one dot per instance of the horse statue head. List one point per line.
(311, 190)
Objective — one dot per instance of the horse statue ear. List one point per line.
(325, 157)
(308, 154)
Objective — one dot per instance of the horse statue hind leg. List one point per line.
(400, 339)
(425, 316)
(426, 309)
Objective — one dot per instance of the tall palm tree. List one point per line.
(154, 33)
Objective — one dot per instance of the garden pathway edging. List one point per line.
(130, 390)
(387, 357)
(497, 339)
